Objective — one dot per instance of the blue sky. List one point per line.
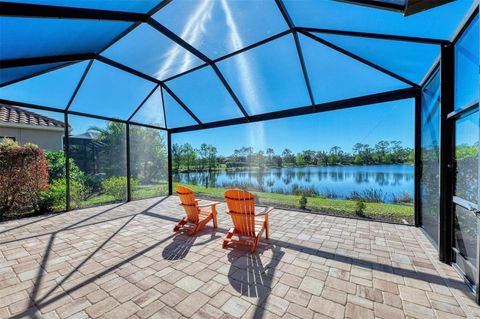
(369, 124)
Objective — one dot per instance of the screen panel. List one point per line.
(430, 155)
(52, 89)
(150, 52)
(118, 98)
(205, 95)
(148, 162)
(34, 37)
(98, 149)
(219, 27)
(267, 78)
(335, 76)
(467, 59)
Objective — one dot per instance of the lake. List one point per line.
(334, 181)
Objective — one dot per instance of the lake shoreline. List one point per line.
(219, 169)
(393, 183)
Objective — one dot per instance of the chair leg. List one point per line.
(194, 230)
(267, 230)
(228, 237)
(255, 243)
(214, 215)
(180, 224)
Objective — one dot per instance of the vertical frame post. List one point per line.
(418, 157)
(170, 175)
(66, 152)
(446, 148)
(129, 184)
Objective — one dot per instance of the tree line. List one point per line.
(186, 157)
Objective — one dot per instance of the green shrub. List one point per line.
(54, 199)
(303, 201)
(93, 183)
(360, 207)
(56, 167)
(117, 187)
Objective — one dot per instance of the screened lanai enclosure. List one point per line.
(125, 79)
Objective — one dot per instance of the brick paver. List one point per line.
(124, 261)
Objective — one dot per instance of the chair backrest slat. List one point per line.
(241, 205)
(188, 202)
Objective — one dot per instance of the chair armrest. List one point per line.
(209, 204)
(265, 211)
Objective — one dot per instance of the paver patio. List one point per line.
(124, 261)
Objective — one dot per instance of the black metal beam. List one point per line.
(147, 126)
(129, 174)
(374, 35)
(51, 109)
(418, 157)
(169, 164)
(45, 60)
(26, 77)
(229, 55)
(286, 16)
(230, 91)
(305, 110)
(465, 24)
(74, 94)
(376, 4)
(173, 77)
(29, 105)
(163, 106)
(291, 26)
(143, 102)
(359, 58)
(46, 11)
(178, 40)
(66, 152)
(447, 68)
(128, 69)
(177, 99)
(251, 46)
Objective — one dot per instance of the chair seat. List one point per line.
(259, 221)
(203, 214)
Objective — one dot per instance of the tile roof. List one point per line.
(16, 115)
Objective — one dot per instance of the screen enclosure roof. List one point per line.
(185, 64)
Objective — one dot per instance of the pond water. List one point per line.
(333, 181)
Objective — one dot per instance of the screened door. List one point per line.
(466, 214)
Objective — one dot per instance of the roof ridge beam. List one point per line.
(187, 46)
(375, 35)
(29, 76)
(11, 63)
(175, 97)
(143, 102)
(291, 26)
(79, 85)
(359, 58)
(127, 69)
(376, 4)
(14, 9)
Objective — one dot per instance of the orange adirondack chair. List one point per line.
(196, 214)
(248, 225)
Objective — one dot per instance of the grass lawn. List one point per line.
(140, 192)
(379, 211)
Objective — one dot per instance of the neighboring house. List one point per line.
(28, 127)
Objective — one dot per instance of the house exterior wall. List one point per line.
(48, 139)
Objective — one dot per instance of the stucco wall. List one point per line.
(46, 139)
